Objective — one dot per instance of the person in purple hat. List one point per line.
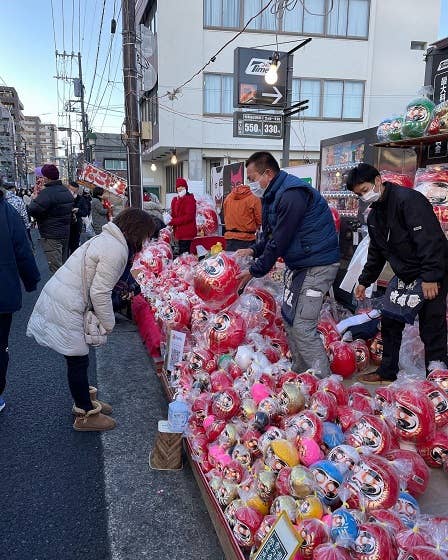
(52, 209)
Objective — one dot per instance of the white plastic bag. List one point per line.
(355, 267)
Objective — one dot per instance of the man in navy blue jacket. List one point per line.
(16, 263)
(297, 226)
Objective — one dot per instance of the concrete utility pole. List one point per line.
(85, 124)
(131, 106)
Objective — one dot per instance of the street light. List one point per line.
(271, 75)
(91, 138)
(173, 159)
(153, 167)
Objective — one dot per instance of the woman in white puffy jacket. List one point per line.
(57, 320)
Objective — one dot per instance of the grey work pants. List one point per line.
(304, 341)
(56, 252)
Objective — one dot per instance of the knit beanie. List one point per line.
(50, 171)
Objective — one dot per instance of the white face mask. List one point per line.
(371, 196)
(256, 188)
(181, 192)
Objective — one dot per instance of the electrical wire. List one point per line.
(97, 50)
(213, 58)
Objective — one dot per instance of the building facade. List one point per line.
(9, 100)
(7, 158)
(110, 153)
(365, 62)
(41, 142)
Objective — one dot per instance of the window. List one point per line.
(115, 164)
(218, 94)
(222, 13)
(172, 173)
(334, 18)
(329, 99)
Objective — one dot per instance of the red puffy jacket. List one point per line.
(183, 217)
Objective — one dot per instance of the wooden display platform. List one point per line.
(228, 544)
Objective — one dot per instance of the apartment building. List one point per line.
(365, 61)
(41, 142)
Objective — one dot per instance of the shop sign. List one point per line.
(250, 87)
(257, 125)
(100, 178)
(281, 543)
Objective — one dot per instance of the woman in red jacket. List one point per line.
(183, 216)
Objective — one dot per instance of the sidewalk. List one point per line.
(151, 514)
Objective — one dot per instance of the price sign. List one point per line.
(175, 349)
(281, 543)
(257, 125)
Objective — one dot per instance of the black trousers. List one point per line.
(5, 327)
(235, 244)
(184, 246)
(433, 332)
(78, 381)
(75, 236)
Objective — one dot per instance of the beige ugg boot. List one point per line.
(105, 407)
(92, 420)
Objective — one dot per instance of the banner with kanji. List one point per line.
(104, 179)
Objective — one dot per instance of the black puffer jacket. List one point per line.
(404, 231)
(52, 209)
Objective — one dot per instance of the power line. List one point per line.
(213, 58)
(97, 50)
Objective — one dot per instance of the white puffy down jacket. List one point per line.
(57, 318)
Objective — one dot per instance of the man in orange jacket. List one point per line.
(242, 218)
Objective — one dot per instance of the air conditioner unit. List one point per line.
(146, 130)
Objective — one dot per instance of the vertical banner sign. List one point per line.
(281, 543)
(437, 76)
(223, 178)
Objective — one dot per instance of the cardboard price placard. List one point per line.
(104, 179)
(281, 543)
(174, 349)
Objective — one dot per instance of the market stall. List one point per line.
(344, 468)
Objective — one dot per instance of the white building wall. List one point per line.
(393, 74)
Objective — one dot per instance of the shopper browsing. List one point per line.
(405, 232)
(297, 226)
(57, 320)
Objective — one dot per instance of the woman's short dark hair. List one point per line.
(97, 192)
(136, 225)
(263, 161)
(363, 173)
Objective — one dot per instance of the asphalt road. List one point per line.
(66, 495)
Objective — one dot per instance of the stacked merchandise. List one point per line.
(344, 466)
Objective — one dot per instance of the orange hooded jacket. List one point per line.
(242, 214)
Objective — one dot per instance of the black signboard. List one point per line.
(257, 125)
(250, 87)
(436, 75)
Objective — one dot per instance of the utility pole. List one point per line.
(85, 124)
(290, 110)
(134, 174)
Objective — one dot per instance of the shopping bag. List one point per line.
(402, 301)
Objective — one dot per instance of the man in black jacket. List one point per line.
(404, 231)
(52, 209)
